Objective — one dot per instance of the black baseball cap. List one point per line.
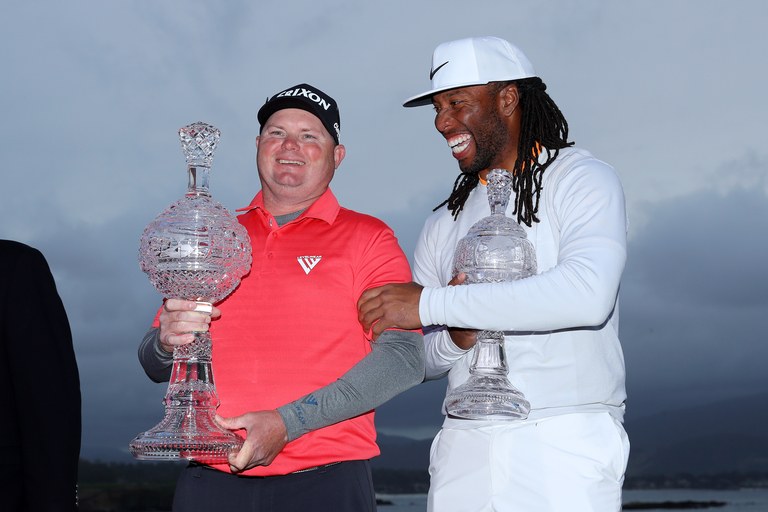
(309, 98)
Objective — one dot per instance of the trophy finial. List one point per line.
(199, 141)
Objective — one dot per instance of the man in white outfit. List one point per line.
(561, 325)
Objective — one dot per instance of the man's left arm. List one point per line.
(395, 364)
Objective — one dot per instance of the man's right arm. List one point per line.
(155, 360)
(175, 325)
(588, 209)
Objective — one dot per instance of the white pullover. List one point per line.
(562, 324)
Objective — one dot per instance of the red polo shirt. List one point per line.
(291, 325)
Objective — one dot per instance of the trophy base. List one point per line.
(487, 397)
(203, 442)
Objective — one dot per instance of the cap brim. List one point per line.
(425, 98)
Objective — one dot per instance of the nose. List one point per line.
(443, 121)
(290, 142)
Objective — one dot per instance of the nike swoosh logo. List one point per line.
(432, 73)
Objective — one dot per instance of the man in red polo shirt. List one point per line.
(295, 370)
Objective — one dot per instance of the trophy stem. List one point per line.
(198, 180)
(489, 357)
(488, 394)
(189, 430)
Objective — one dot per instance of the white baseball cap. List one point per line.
(473, 61)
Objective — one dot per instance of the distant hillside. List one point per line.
(727, 436)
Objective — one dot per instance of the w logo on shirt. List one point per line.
(308, 262)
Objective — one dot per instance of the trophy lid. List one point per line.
(199, 141)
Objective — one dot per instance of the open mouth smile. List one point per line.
(459, 143)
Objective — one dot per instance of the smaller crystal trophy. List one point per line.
(494, 250)
(194, 250)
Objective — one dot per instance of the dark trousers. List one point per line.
(342, 487)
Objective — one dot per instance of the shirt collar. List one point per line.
(326, 207)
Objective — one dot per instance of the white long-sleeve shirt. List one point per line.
(562, 324)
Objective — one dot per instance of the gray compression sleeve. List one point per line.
(395, 363)
(157, 363)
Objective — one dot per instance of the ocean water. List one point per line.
(744, 500)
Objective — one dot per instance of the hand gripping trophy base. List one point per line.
(188, 429)
(494, 250)
(196, 250)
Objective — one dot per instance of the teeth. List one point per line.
(460, 143)
(290, 162)
(458, 149)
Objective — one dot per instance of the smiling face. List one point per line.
(475, 122)
(296, 158)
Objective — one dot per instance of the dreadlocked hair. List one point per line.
(542, 128)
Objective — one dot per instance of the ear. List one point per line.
(339, 152)
(509, 99)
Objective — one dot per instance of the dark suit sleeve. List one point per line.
(44, 395)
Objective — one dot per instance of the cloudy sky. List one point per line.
(92, 94)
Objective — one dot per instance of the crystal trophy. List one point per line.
(495, 249)
(193, 250)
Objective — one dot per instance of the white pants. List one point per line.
(568, 463)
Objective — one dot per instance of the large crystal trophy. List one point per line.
(193, 250)
(494, 250)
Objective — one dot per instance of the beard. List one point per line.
(489, 138)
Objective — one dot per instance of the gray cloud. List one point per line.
(694, 298)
